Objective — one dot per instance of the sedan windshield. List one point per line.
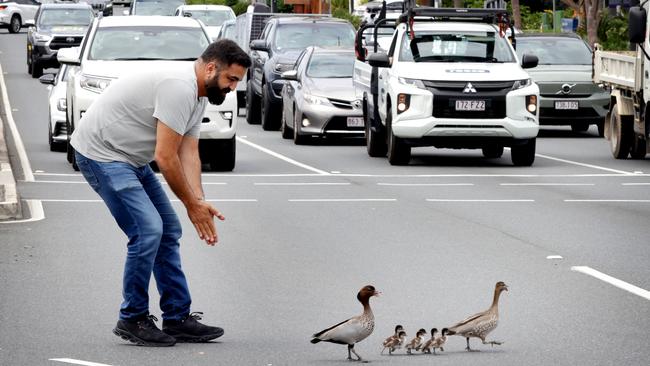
(331, 65)
(210, 18)
(148, 43)
(303, 35)
(156, 7)
(432, 46)
(555, 51)
(51, 17)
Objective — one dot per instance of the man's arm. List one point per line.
(191, 163)
(168, 158)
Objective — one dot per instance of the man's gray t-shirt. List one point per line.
(120, 125)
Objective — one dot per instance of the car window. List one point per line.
(149, 43)
(51, 17)
(331, 65)
(555, 51)
(301, 35)
(436, 46)
(228, 31)
(156, 7)
(211, 18)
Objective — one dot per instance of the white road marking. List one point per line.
(270, 175)
(172, 200)
(36, 210)
(585, 165)
(612, 281)
(345, 200)
(301, 184)
(547, 184)
(56, 181)
(608, 201)
(478, 200)
(635, 184)
(78, 362)
(554, 257)
(425, 184)
(282, 157)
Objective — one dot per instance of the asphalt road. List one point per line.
(308, 226)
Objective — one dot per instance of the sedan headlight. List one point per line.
(93, 83)
(62, 104)
(312, 99)
(42, 37)
(412, 82)
(518, 84)
(280, 68)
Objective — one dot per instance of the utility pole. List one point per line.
(553, 16)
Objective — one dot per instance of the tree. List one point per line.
(588, 11)
(459, 3)
(516, 13)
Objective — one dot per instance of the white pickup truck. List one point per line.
(449, 79)
(628, 76)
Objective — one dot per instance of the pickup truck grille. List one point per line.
(65, 41)
(446, 93)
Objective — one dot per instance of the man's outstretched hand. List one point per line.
(202, 215)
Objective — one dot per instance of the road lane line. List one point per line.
(344, 200)
(173, 200)
(478, 200)
(359, 175)
(301, 184)
(612, 281)
(425, 184)
(56, 181)
(78, 362)
(585, 165)
(635, 184)
(282, 157)
(607, 201)
(547, 184)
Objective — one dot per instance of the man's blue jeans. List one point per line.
(141, 208)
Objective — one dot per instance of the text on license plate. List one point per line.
(566, 105)
(355, 121)
(470, 105)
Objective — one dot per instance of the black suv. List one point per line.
(280, 44)
(56, 26)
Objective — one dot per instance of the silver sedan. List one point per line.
(318, 96)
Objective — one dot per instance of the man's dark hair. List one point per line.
(226, 52)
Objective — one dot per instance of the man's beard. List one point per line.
(215, 94)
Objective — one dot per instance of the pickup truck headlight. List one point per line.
(412, 82)
(518, 84)
(93, 83)
(62, 104)
(42, 37)
(280, 68)
(313, 99)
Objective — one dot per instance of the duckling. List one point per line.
(396, 343)
(353, 330)
(481, 324)
(426, 347)
(398, 329)
(415, 342)
(440, 341)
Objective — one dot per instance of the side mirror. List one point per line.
(529, 61)
(637, 24)
(379, 59)
(259, 45)
(290, 75)
(47, 79)
(69, 56)
(186, 14)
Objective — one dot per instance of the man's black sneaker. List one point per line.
(190, 330)
(143, 332)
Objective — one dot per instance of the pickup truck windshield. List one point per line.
(303, 35)
(210, 18)
(327, 65)
(52, 17)
(436, 46)
(555, 51)
(148, 43)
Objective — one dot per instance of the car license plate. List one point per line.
(470, 105)
(355, 121)
(566, 105)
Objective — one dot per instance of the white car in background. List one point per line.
(117, 46)
(17, 14)
(212, 16)
(57, 136)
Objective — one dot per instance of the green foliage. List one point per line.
(612, 32)
(207, 2)
(240, 7)
(340, 10)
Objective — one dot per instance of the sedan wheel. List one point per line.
(287, 132)
(14, 25)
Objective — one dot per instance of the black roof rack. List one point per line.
(491, 16)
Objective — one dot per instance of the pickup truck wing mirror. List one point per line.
(379, 59)
(290, 75)
(637, 21)
(69, 56)
(259, 45)
(529, 61)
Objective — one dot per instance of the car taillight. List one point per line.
(3, 7)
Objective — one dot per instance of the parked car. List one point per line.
(56, 26)
(228, 30)
(57, 134)
(212, 16)
(153, 7)
(318, 97)
(568, 95)
(116, 46)
(16, 14)
(282, 40)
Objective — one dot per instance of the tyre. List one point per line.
(268, 113)
(601, 128)
(493, 152)
(54, 145)
(15, 24)
(375, 141)
(286, 131)
(638, 149)
(620, 135)
(29, 62)
(71, 158)
(399, 153)
(524, 154)
(223, 155)
(579, 127)
(252, 105)
(37, 68)
(298, 139)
